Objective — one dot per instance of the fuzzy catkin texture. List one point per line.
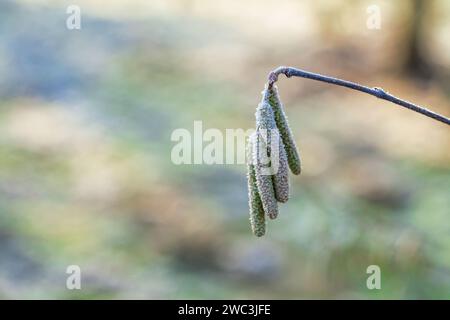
(257, 216)
(265, 117)
(264, 180)
(281, 178)
(266, 130)
(278, 164)
(285, 131)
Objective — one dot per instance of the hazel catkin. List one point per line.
(265, 124)
(257, 216)
(281, 177)
(283, 126)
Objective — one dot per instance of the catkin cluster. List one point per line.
(271, 151)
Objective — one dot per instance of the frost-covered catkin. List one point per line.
(281, 178)
(285, 131)
(265, 123)
(257, 216)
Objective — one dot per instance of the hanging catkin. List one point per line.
(271, 152)
(268, 181)
(265, 125)
(281, 178)
(283, 126)
(257, 216)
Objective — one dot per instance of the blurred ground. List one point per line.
(85, 171)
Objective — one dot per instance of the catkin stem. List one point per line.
(377, 92)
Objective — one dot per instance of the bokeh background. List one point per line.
(85, 171)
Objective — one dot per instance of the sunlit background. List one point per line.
(86, 176)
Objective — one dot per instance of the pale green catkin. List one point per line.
(285, 131)
(265, 122)
(257, 216)
(281, 178)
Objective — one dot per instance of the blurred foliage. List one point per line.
(85, 170)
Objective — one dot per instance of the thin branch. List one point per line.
(377, 92)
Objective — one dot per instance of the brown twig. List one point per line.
(377, 92)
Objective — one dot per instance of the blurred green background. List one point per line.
(85, 171)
